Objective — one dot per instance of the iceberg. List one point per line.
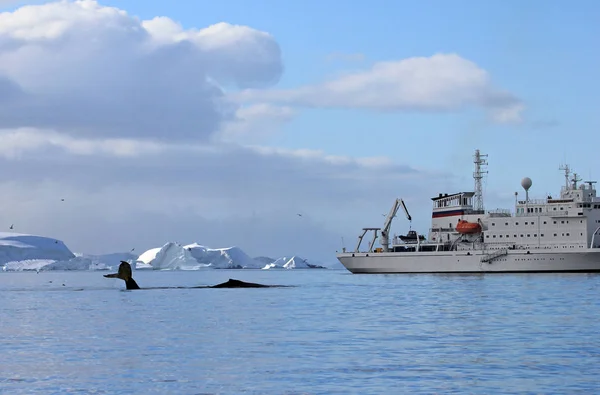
(24, 247)
(294, 262)
(20, 252)
(171, 256)
(77, 263)
(222, 258)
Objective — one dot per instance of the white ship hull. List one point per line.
(513, 261)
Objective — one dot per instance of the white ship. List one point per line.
(541, 235)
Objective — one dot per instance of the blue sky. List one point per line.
(537, 58)
(542, 51)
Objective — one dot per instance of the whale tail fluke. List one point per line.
(125, 275)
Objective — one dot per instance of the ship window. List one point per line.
(516, 223)
(554, 222)
(532, 223)
(581, 221)
(541, 235)
(534, 235)
(554, 208)
(526, 223)
(555, 235)
(521, 235)
(568, 234)
(515, 235)
(500, 236)
(581, 234)
(561, 208)
(506, 223)
(528, 235)
(544, 222)
(562, 222)
(487, 236)
(494, 236)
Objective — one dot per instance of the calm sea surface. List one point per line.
(333, 332)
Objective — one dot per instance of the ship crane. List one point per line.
(385, 231)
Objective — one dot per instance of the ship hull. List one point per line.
(514, 261)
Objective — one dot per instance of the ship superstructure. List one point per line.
(550, 234)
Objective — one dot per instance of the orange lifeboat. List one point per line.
(466, 227)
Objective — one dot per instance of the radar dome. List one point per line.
(526, 183)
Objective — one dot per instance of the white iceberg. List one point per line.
(171, 256)
(222, 258)
(16, 247)
(293, 262)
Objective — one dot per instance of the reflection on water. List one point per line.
(332, 332)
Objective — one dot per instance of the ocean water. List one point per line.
(331, 333)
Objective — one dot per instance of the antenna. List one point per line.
(479, 160)
(575, 180)
(567, 171)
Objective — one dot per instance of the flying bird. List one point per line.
(62, 200)
(11, 226)
(299, 215)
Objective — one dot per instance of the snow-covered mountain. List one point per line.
(22, 247)
(29, 252)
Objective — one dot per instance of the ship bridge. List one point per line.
(456, 204)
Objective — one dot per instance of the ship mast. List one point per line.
(479, 160)
(567, 174)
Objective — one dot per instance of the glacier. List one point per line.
(19, 252)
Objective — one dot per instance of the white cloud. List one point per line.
(16, 143)
(128, 120)
(255, 123)
(95, 70)
(442, 82)
(218, 194)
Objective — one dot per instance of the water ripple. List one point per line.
(331, 334)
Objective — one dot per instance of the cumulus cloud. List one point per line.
(218, 194)
(95, 70)
(442, 82)
(131, 121)
(255, 123)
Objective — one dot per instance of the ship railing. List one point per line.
(533, 201)
(496, 254)
(548, 213)
(499, 212)
(435, 230)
